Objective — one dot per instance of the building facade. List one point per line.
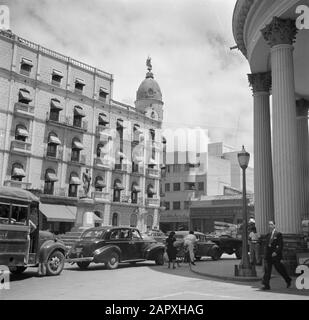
(61, 129)
(185, 183)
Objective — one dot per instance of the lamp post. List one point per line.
(245, 269)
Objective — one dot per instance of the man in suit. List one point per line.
(273, 256)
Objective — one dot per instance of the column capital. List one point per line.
(260, 82)
(302, 106)
(280, 31)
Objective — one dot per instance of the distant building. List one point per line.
(58, 119)
(212, 173)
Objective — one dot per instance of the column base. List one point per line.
(241, 271)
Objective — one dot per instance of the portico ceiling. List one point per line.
(252, 16)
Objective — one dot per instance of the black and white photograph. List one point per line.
(154, 152)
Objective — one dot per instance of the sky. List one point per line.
(204, 84)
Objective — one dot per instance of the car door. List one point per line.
(121, 238)
(137, 245)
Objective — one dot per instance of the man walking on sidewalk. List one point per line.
(190, 241)
(273, 256)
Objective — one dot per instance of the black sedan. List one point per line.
(203, 246)
(113, 245)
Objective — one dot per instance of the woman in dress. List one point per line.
(171, 249)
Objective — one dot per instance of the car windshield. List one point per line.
(93, 234)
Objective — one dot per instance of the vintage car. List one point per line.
(155, 234)
(227, 244)
(203, 247)
(22, 244)
(114, 245)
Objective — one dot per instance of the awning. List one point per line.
(152, 162)
(58, 213)
(75, 180)
(55, 104)
(137, 129)
(80, 81)
(79, 111)
(50, 176)
(21, 132)
(54, 140)
(100, 184)
(24, 95)
(136, 188)
(19, 173)
(77, 145)
(27, 62)
(103, 118)
(118, 186)
(151, 191)
(57, 73)
(120, 123)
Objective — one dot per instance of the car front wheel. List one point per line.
(17, 269)
(113, 261)
(55, 263)
(159, 258)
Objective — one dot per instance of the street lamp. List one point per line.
(245, 269)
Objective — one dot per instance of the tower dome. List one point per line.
(149, 88)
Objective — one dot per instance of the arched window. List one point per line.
(50, 179)
(115, 219)
(76, 148)
(149, 221)
(73, 184)
(100, 150)
(52, 145)
(135, 189)
(79, 114)
(55, 108)
(150, 191)
(117, 190)
(103, 121)
(18, 172)
(99, 184)
(133, 220)
(21, 133)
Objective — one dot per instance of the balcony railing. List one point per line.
(152, 202)
(20, 147)
(51, 156)
(68, 122)
(24, 110)
(122, 167)
(80, 161)
(153, 172)
(102, 163)
(17, 184)
(101, 196)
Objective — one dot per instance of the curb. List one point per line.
(236, 279)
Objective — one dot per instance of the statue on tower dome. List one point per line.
(148, 64)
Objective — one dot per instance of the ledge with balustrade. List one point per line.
(152, 202)
(152, 172)
(17, 184)
(102, 163)
(67, 122)
(81, 161)
(24, 110)
(21, 147)
(35, 47)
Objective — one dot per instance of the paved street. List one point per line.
(143, 281)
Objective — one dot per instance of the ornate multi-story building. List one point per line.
(60, 129)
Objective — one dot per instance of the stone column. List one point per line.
(280, 35)
(303, 149)
(263, 174)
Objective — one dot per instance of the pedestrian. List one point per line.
(189, 242)
(254, 244)
(273, 256)
(171, 249)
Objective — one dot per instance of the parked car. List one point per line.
(113, 245)
(203, 247)
(228, 244)
(155, 234)
(22, 244)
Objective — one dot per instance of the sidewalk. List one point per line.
(223, 269)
